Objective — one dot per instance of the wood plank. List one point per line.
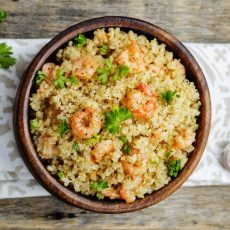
(189, 20)
(189, 208)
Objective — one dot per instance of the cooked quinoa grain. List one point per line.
(116, 117)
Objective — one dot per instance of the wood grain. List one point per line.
(203, 208)
(189, 20)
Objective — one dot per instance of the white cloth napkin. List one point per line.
(214, 59)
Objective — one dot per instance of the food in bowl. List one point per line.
(115, 116)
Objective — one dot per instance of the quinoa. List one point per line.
(111, 71)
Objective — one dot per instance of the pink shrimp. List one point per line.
(85, 123)
(128, 194)
(142, 102)
(133, 57)
(84, 67)
(137, 168)
(101, 148)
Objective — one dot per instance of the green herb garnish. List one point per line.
(40, 77)
(114, 118)
(168, 154)
(94, 139)
(80, 40)
(104, 49)
(33, 124)
(100, 196)
(63, 127)
(99, 186)
(168, 96)
(103, 73)
(2, 15)
(75, 146)
(122, 71)
(73, 80)
(60, 78)
(126, 146)
(60, 175)
(5, 56)
(174, 167)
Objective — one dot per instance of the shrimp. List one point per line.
(85, 123)
(49, 149)
(142, 102)
(84, 67)
(101, 149)
(139, 167)
(111, 193)
(184, 139)
(49, 70)
(133, 57)
(128, 194)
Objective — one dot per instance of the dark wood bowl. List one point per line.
(21, 114)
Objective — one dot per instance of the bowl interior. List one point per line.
(22, 113)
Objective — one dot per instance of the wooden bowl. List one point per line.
(21, 114)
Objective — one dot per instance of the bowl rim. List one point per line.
(21, 116)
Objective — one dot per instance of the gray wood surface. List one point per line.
(189, 208)
(190, 20)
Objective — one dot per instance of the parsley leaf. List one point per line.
(122, 71)
(5, 56)
(2, 15)
(115, 117)
(94, 139)
(100, 196)
(99, 186)
(103, 73)
(60, 78)
(75, 146)
(126, 146)
(63, 127)
(168, 96)
(168, 154)
(73, 80)
(104, 49)
(60, 175)
(33, 124)
(174, 167)
(80, 40)
(40, 77)
(103, 78)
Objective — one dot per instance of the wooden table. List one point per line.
(191, 21)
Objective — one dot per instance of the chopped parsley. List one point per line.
(40, 77)
(73, 80)
(168, 154)
(114, 118)
(5, 56)
(63, 127)
(104, 49)
(174, 167)
(168, 96)
(103, 73)
(60, 78)
(80, 40)
(75, 146)
(122, 71)
(126, 146)
(60, 175)
(94, 139)
(2, 15)
(33, 124)
(100, 196)
(99, 186)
